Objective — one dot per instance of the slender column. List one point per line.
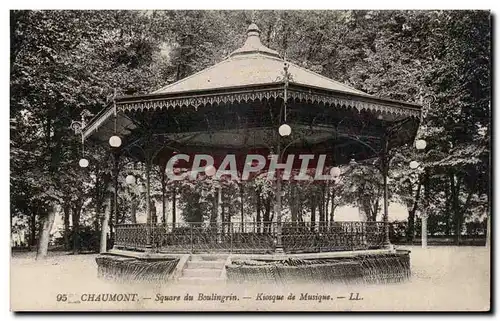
(174, 202)
(279, 238)
(163, 195)
(149, 221)
(116, 157)
(425, 214)
(385, 172)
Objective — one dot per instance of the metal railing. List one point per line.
(133, 236)
(251, 237)
(332, 236)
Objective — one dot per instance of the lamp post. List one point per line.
(385, 173)
(115, 142)
(284, 131)
(279, 239)
(421, 145)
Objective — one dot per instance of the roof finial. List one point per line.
(253, 30)
(253, 44)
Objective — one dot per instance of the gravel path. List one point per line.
(444, 278)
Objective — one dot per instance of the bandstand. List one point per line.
(254, 101)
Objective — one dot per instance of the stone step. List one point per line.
(218, 265)
(209, 273)
(207, 258)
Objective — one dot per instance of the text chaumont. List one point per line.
(109, 297)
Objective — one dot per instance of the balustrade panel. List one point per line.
(131, 236)
(251, 237)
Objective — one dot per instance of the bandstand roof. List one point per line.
(251, 73)
(253, 64)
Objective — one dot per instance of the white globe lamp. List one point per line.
(115, 141)
(414, 164)
(130, 179)
(420, 144)
(285, 130)
(83, 163)
(210, 170)
(335, 172)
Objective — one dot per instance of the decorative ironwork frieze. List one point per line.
(197, 101)
(226, 98)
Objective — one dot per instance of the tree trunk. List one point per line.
(454, 206)
(242, 192)
(332, 209)
(425, 205)
(461, 211)
(111, 220)
(447, 228)
(227, 208)
(163, 205)
(457, 215)
(321, 208)
(488, 231)
(76, 228)
(174, 209)
(33, 227)
(411, 215)
(293, 202)
(374, 212)
(133, 210)
(367, 210)
(424, 229)
(327, 203)
(46, 222)
(96, 221)
(222, 207)
(313, 215)
(258, 208)
(154, 215)
(267, 213)
(215, 209)
(223, 211)
(104, 228)
(67, 210)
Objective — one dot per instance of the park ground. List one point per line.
(444, 278)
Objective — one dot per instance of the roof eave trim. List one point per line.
(97, 121)
(295, 92)
(341, 99)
